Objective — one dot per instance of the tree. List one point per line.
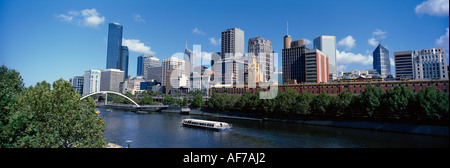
(147, 99)
(396, 102)
(302, 105)
(432, 105)
(321, 104)
(286, 102)
(53, 116)
(169, 100)
(342, 104)
(11, 85)
(370, 100)
(197, 101)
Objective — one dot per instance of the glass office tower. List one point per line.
(327, 44)
(381, 61)
(117, 55)
(124, 61)
(114, 46)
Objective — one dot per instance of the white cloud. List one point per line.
(433, 8)
(137, 46)
(342, 68)
(307, 42)
(65, 18)
(376, 36)
(138, 18)
(379, 33)
(391, 60)
(92, 18)
(373, 42)
(198, 31)
(87, 17)
(348, 43)
(351, 58)
(213, 41)
(442, 42)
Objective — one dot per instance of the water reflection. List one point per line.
(163, 130)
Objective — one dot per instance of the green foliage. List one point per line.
(169, 100)
(197, 101)
(432, 105)
(396, 103)
(321, 104)
(147, 99)
(302, 106)
(52, 116)
(342, 105)
(11, 84)
(370, 100)
(399, 103)
(286, 102)
(182, 102)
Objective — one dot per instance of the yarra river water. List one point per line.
(164, 130)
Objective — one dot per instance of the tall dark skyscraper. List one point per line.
(117, 55)
(381, 60)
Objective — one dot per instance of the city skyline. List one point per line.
(68, 38)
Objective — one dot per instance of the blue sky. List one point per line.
(48, 40)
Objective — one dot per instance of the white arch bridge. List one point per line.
(106, 99)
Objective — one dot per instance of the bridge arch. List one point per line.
(90, 94)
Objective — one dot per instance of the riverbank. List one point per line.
(368, 125)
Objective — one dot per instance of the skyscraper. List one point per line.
(144, 62)
(124, 63)
(117, 55)
(114, 46)
(262, 50)
(430, 64)
(232, 45)
(293, 59)
(168, 65)
(232, 42)
(91, 81)
(327, 44)
(316, 66)
(403, 64)
(110, 79)
(381, 61)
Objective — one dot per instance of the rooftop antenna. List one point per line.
(186, 43)
(287, 28)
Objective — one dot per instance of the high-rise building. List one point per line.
(261, 48)
(113, 60)
(381, 61)
(403, 65)
(144, 62)
(293, 59)
(110, 79)
(117, 55)
(154, 73)
(301, 64)
(430, 64)
(78, 82)
(327, 44)
(316, 66)
(189, 59)
(124, 62)
(232, 42)
(170, 64)
(91, 81)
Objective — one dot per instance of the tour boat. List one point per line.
(206, 124)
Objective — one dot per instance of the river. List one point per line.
(164, 130)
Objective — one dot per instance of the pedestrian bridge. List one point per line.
(106, 92)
